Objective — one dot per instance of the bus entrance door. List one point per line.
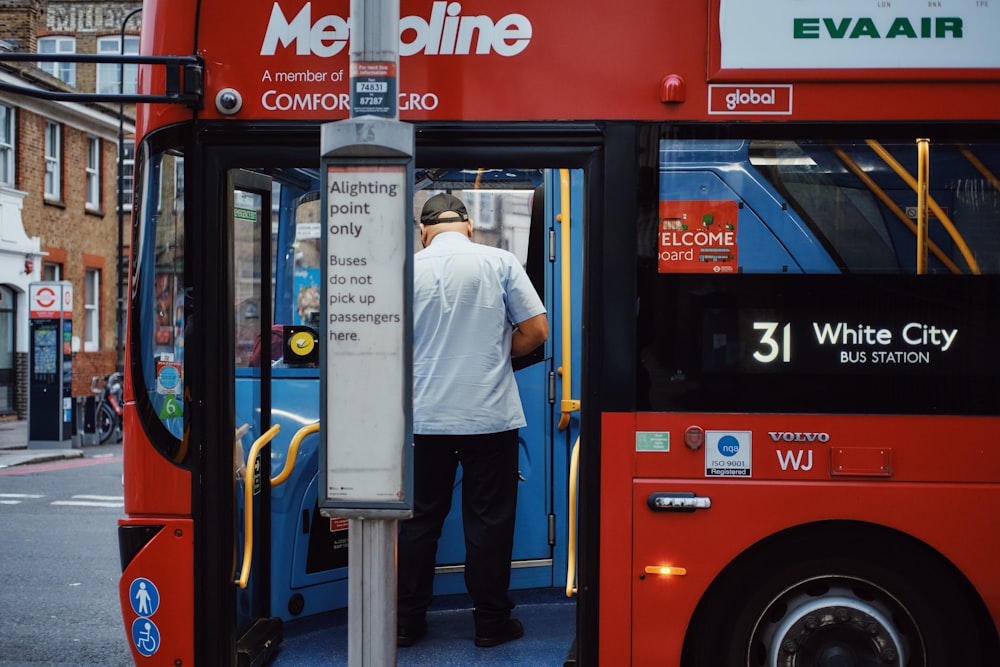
(248, 210)
(298, 561)
(516, 209)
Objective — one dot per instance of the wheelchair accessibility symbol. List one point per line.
(145, 636)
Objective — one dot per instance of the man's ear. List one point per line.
(468, 231)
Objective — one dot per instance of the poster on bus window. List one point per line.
(697, 237)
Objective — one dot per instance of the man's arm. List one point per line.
(529, 334)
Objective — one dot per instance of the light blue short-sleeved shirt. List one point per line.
(466, 299)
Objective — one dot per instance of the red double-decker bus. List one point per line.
(768, 238)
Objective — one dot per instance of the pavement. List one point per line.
(15, 449)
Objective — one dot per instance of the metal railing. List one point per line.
(183, 80)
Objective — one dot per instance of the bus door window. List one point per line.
(304, 252)
(249, 319)
(295, 269)
(159, 317)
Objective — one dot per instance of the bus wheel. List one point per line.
(875, 601)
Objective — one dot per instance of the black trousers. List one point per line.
(489, 500)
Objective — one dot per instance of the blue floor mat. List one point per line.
(549, 620)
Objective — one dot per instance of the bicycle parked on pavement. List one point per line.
(108, 413)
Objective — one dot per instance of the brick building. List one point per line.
(59, 214)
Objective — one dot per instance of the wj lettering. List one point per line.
(794, 460)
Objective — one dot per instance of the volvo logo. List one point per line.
(798, 436)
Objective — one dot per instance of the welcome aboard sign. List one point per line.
(859, 34)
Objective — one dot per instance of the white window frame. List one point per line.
(61, 44)
(93, 173)
(53, 160)
(92, 310)
(8, 145)
(109, 74)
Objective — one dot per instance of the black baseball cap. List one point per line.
(442, 203)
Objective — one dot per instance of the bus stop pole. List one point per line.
(371, 594)
(374, 57)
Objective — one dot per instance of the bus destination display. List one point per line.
(769, 341)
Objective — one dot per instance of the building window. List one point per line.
(51, 271)
(126, 169)
(8, 329)
(93, 173)
(109, 75)
(65, 72)
(53, 161)
(92, 311)
(7, 144)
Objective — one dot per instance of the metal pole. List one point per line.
(372, 542)
(120, 302)
(375, 46)
(371, 593)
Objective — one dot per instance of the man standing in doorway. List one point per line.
(474, 308)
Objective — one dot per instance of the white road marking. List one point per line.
(82, 500)
(16, 498)
(92, 501)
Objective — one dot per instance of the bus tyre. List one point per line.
(865, 597)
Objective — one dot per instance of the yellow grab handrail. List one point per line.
(567, 405)
(923, 178)
(574, 466)
(293, 452)
(981, 168)
(893, 206)
(938, 211)
(258, 444)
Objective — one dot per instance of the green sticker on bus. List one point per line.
(171, 408)
(652, 441)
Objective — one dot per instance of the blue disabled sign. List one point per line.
(144, 597)
(145, 636)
